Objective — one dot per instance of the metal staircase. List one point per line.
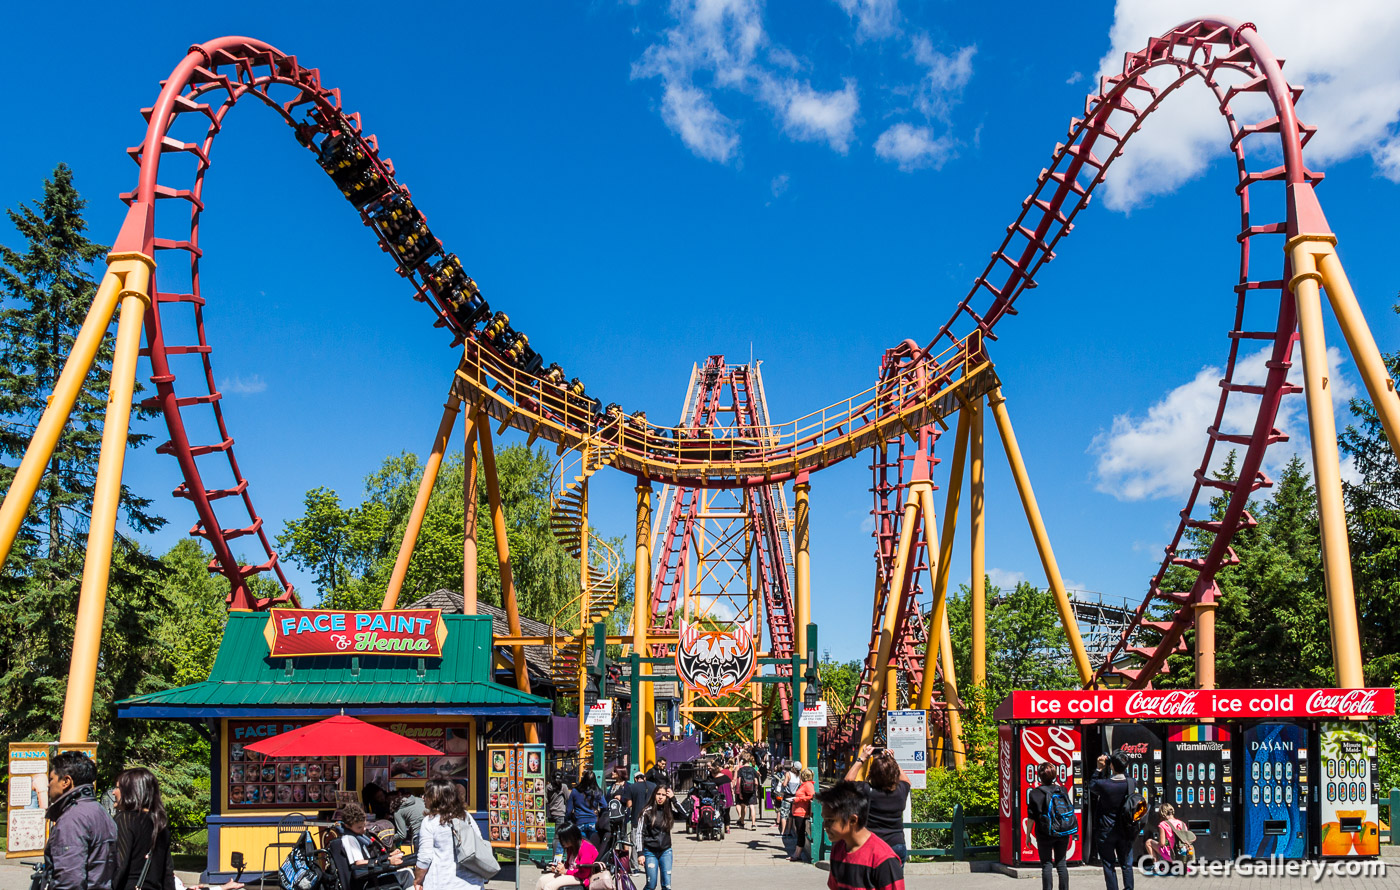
(598, 598)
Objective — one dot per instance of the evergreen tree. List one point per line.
(45, 292)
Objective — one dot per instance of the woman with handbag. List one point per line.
(439, 866)
(578, 861)
(143, 834)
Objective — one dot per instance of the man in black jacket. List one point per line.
(1052, 849)
(1114, 831)
(82, 844)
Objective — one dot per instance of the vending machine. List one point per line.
(1347, 816)
(1021, 751)
(1140, 745)
(1199, 782)
(1273, 791)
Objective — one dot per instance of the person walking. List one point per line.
(436, 867)
(585, 802)
(859, 859)
(1045, 799)
(653, 835)
(1113, 828)
(577, 867)
(723, 777)
(81, 850)
(792, 779)
(888, 789)
(747, 783)
(802, 813)
(143, 834)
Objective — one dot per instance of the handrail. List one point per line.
(923, 389)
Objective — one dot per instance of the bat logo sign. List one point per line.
(713, 662)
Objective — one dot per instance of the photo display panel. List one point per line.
(258, 782)
(1349, 794)
(1198, 784)
(515, 795)
(1273, 791)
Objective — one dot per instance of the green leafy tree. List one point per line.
(350, 551)
(46, 288)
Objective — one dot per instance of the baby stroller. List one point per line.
(705, 820)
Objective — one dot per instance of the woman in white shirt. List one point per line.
(437, 869)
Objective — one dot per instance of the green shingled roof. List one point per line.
(246, 681)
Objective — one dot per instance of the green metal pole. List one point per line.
(797, 668)
(600, 653)
(818, 830)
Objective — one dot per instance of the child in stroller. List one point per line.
(703, 816)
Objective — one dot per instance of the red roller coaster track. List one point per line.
(1229, 58)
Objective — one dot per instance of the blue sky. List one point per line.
(810, 183)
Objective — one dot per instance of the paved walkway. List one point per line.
(756, 860)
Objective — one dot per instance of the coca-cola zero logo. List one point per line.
(1136, 749)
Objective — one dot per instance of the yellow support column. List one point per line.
(469, 555)
(643, 709)
(1205, 643)
(941, 638)
(1327, 474)
(498, 527)
(802, 534)
(978, 530)
(134, 298)
(945, 553)
(1369, 362)
(420, 502)
(890, 620)
(1042, 539)
(65, 393)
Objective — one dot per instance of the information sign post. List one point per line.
(906, 734)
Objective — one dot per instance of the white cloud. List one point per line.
(718, 46)
(1005, 579)
(1345, 59)
(692, 116)
(780, 184)
(1074, 78)
(1155, 455)
(243, 386)
(944, 76)
(875, 19)
(913, 147)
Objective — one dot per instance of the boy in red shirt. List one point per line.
(859, 859)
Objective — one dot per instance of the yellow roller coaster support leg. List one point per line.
(643, 698)
(65, 393)
(941, 638)
(802, 532)
(1379, 384)
(1042, 539)
(498, 527)
(469, 555)
(1322, 429)
(420, 502)
(945, 552)
(977, 503)
(1205, 644)
(97, 566)
(890, 620)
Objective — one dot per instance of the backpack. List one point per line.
(472, 852)
(1134, 805)
(299, 870)
(1060, 813)
(748, 785)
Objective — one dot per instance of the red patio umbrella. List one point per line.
(340, 736)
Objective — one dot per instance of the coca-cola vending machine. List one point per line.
(1021, 751)
(1274, 791)
(1140, 745)
(1199, 782)
(1347, 818)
